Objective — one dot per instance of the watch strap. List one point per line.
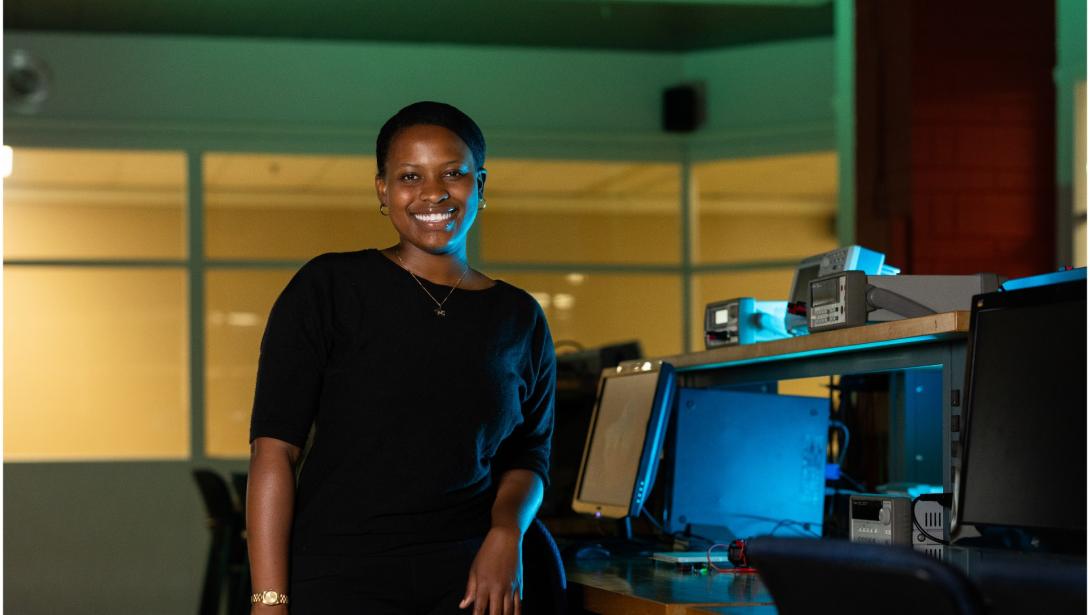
(269, 597)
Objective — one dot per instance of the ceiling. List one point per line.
(649, 25)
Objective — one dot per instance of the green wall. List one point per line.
(130, 537)
(290, 95)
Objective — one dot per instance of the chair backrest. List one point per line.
(216, 496)
(544, 582)
(804, 575)
(238, 481)
(1031, 583)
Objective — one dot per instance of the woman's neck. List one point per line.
(444, 269)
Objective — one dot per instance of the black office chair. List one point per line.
(807, 575)
(1013, 584)
(227, 552)
(545, 585)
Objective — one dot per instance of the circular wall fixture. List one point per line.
(26, 82)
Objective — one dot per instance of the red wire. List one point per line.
(732, 570)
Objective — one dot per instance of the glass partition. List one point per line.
(581, 212)
(288, 207)
(94, 204)
(595, 309)
(96, 363)
(774, 208)
(237, 306)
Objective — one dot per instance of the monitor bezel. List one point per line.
(1031, 296)
(653, 439)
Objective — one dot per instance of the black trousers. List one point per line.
(432, 582)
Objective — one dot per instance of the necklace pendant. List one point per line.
(440, 312)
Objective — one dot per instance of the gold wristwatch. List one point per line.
(269, 597)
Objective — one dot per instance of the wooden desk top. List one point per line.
(638, 586)
(948, 325)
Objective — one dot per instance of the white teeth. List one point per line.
(436, 217)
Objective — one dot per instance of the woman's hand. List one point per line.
(495, 578)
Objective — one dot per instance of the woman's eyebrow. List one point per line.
(458, 161)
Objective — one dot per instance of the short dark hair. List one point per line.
(430, 113)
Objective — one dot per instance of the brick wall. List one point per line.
(956, 134)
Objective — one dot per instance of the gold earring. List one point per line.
(483, 204)
(384, 209)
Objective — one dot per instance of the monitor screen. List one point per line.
(624, 441)
(1024, 446)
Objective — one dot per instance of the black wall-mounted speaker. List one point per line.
(683, 108)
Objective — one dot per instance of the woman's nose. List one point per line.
(434, 192)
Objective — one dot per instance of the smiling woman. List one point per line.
(430, 388)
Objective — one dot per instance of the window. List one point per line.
(95, 327)
(1080, 176)
(89, 204)
(755, 219)
(581, 212)
(102, 277)
(272, 206)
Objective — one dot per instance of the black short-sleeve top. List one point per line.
(414, 414)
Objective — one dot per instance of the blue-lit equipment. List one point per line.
(848, 258)
(743, 321)
(748, 464)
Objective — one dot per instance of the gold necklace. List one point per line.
(439, 311)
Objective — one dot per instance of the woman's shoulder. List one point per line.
(521, 300)
(332, 265)
(324, 274)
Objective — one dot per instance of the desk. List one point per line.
(1019, 582)
(937, 341)
(638, 586)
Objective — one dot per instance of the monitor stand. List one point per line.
(622, 544)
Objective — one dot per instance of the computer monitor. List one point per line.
(1023, 443)
(747, 464)
(625, 438)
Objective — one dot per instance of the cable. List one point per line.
(860, 487)
(654, 522)
(835, 424)
(912, 511)
(711, 564)
(802, 525)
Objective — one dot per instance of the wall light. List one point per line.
(7, 160)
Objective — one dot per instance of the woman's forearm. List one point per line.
(270, 498)
(518, 497)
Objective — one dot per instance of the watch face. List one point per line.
(270, 598)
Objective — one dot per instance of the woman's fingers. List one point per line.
(518, 602)
(508, 602)
(471, 592)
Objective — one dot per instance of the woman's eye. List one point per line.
(408, 177)
(456, 173)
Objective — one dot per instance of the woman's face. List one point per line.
(432, 186)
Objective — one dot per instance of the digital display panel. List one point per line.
(722, 316)
(825, 292)
(866, 510)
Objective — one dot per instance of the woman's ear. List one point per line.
(482, 175)
(380, 189)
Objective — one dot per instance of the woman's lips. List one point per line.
(435, 220)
